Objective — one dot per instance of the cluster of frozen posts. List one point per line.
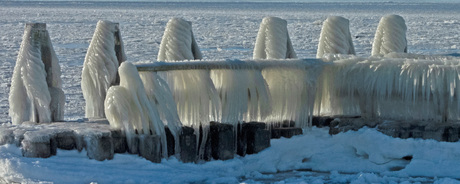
(205, 109)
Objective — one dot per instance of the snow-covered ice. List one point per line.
(365, 156)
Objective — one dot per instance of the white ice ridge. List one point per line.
(390, 36)
(335, 37)
(104, 55)
(195, 95)
(36, 93)
(292, 91)
(128, 108)
(394, 88)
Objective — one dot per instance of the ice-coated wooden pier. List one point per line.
(195, 109)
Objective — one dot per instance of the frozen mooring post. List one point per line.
(104, 55)
(292, 91)
(193, 91)
(128, 108)
(42, 140)
(390, 36)
(36, 93)
(335, 37)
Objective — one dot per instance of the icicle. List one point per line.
(393, 88)
(195, 95)
(390, 36)
(335, 37)
(121, 114)
(244, 95)
(105, 53)
(36, 93)
(145, 117)
(160, 95)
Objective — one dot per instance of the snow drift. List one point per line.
(335, 37)
(292, 91)
(195, 95)
(35, 93)
(128, 108)
(390, 36)
(105, 53)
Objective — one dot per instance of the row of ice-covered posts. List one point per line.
(145, 102)
(197, 97)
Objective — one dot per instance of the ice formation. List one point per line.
(390, 36)
(195, 95)
(127, 107)
(394, 88)
(158, 93)
(244, 95)
(335, 37)
(105, 53)
(273, 40)
(292, 90)
(36, 93)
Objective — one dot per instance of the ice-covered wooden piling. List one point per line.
(188, 145)
(128, 108)
(35, 93)
(335, 37)
(257, 137)
(105, 53)
(390, 36)
(38, 144)
(286, 129)
(101, 142)
(292, 91)
(193, 91)
(222, 141)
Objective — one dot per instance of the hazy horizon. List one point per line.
(236, 1)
